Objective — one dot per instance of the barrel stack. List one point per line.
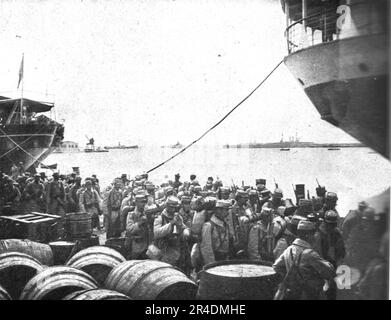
(97, 261)
(96, 294)
(16, 270)
(150, 280)
(55, 283)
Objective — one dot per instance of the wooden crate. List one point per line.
(35, 226)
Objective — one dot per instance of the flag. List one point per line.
(21, 71)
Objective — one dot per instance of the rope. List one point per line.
(20, 147)
(219, 122)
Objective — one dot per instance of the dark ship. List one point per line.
(338, 52)
(27, 136)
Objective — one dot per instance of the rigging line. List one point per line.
(21, 147)
(220, 121)
(23, 142)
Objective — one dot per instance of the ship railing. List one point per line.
(331, 24)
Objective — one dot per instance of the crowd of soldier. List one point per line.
(189, 225)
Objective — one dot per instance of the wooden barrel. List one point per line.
(40, 251)
(117, 244)
(97, 261)
(96, 294)
(16, 269)
(4, 294)
(61, 251)
(238, 280)
(150, 280)
(84, 243)
(78, 225)
(54, 283)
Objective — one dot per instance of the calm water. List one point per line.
(354, 173)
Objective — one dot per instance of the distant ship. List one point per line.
(26, 135)
(174, 146)
(338, 52)
(120, 146)
(294, 143)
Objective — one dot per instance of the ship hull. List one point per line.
(347, 81)
(35, 140)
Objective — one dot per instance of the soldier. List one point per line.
(10, 197)
(285, 237)
(253, 202)
(89, 201)
(276, 200)
(215, 235)
(186, 212)
(33, 194)
(353, 218)
(223, 193)
(14, 171)
(303, 269)
(329, 244)
(169, 233)
(237, 220)
(265, 196)
(209, 184)
(262, 237)
(55, 196)
(319, 201)
(137, 229)
(73, 199)
(113, 209)
(329, 204)
(177, 183)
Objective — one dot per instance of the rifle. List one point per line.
(318, 182)
(234, 187)
(275, 183)
(308, 195)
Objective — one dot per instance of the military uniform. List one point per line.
(88, 202)
(138, 232)
(215, 241)
(113, 217)
(310, 272)
(55, 198)
(33, 195)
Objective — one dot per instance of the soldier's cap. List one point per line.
(363, 204)
(241, 193)
(185, 200)
(266, 212)
(281, 211)
(138, 177)
(224, 190)
(278, 193)
(197, 188)
(149, 186)
(369, 214)
(138, 183)
(87, 181)
(306, 225)
(78, 178)
(260, 181)
(172, 201)
(140, 198)
(331, 217)
(195, 183)
(225, 204)
(331, 196)
(177, 175)
(144, 176)
(252, 193)
(55, 174)
(168, 190)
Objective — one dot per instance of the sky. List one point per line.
(159, 71)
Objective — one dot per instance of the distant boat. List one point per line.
(285, 149)
(333, 149)
(120, 146)
(91, 148)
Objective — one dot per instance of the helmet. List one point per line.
(278, 193)
(306, 225)
(331, 216)
(331, 196)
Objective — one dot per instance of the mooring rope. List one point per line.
(219, 122)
